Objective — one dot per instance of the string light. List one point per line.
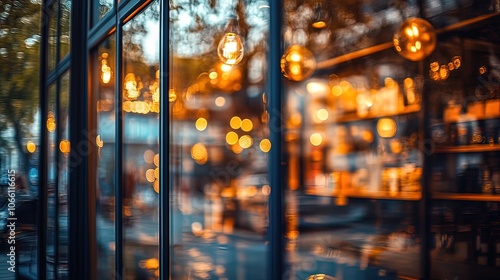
(230, 49)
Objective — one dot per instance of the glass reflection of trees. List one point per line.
(140, 103)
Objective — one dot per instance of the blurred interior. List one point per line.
(390, 125)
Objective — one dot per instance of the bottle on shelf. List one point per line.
(496, 247)
(482, 240)
(486, 180)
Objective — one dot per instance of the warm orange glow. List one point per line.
(149, 156)
(156, 186)
(220, 101)
(266, 190)
(197, 228)
(172, 96)
(149, 263)
(150, 175)
(298, 63)
(199, 153)
(231, 138)
(130, 89)
(235, 122)
(316, 139)
(156, 159)
(64, 147)
(98, 141)
(415, 39)
(319, 24)
(322, 114)
(230, 49)
(245, 141)
(386, 127)
(246, 125)
(31, 147)
(201, 124)
(51, 122)
(236, 148)
(265, 145)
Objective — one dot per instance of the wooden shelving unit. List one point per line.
(466, 196)
(479, 148)
(353, 117)
(382, 195)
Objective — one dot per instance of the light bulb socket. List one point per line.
(232, 25)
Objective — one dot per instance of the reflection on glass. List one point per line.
(51, 126)
(219, 141)
(53, 39)
(63, 178)
(64, 39)
(103, 85)
(101, 8)
(20, 132)
(353, 199)
(140, 188)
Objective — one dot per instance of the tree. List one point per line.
(19, 71)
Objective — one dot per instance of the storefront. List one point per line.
(248, 139)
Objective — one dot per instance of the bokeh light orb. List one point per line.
(415, 39)
(298, 63)
(387, 127)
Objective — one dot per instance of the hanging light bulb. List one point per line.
(298, 63)
(230, 49)
(130, 90)
(415, 39)
(105, 69)
(320, 19)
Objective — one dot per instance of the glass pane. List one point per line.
(140, 97)
(51, 124)
(64, 39)
(19, 136)
(53, 39)
(104, 102)
(63, 178)
(101, 8)
(220, 140)
(464, 180)
(353, 137)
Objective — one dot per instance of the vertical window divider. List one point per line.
(164, 205)
(118, 153)
(78, 246)
(276, 205)
(42, 193)
(57, 141)
(58, 34)
(56, 182)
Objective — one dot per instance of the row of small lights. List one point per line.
(199, 151)
(386, 128)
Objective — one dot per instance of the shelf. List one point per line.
(325, 64)
(468, 149)
(383, 195)
(464, 120)
(353, 117)
(466, 196)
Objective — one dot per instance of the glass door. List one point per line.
(219, 139)
(353, 131)
(464, 124)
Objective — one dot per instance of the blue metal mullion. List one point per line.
(56, 183)
(276, 205)
(118, 156)
(78, 247)
(164, 217)
(43, 157)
